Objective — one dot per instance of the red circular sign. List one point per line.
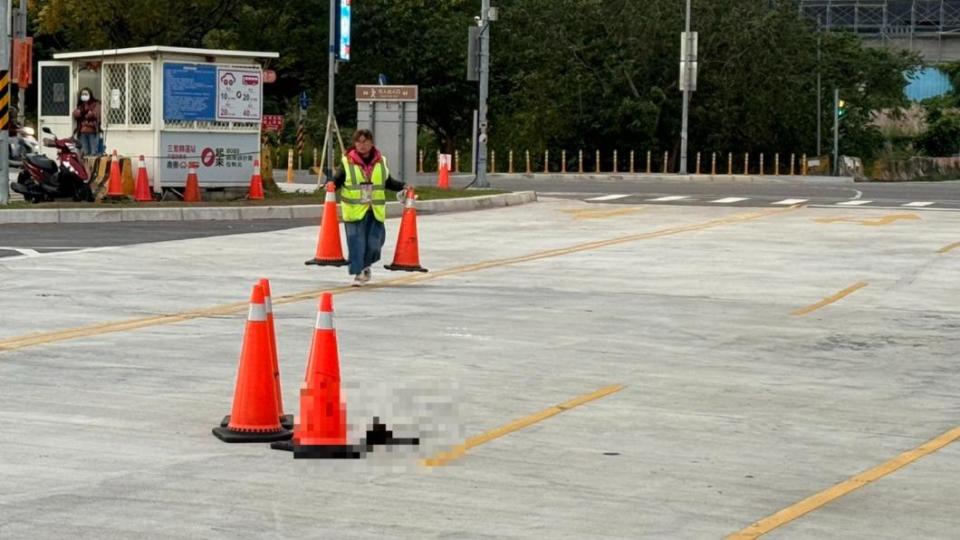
(207, 157)
(269, 76)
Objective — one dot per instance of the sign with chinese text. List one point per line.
(222, 159)
(189, 92)
(239, 94)
(371, 92)
(273, 122)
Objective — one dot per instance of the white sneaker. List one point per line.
(365, 275)
(358, 280)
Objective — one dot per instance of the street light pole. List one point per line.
(686, 99)
(330, 86)
(836, 131)
(481, 161)
(819, 90)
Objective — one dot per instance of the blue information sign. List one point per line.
(189, 92)
(343, 52)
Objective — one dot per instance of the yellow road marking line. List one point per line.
(579, 214)
(951, 247)
(829, 495)
(458, 451)
(19, 342)
(871, 222)
(830, 299)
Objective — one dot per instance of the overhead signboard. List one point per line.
(189, 92)
(239, 94)
(343, 31)
(372, 92)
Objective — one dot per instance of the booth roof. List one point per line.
(161, 49)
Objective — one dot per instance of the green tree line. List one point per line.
(565, 73)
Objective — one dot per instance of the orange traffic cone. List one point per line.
(443, 177)
(142, 193)
(321, 431)
(256, 184)
(329, 248)
(254, 416)
(286, 420)
(191, 193)
(115, 184)
(407, 256)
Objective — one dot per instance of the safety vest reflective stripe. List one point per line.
(352, 204)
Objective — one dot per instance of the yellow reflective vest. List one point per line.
(360, 193)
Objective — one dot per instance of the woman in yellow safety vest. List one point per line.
(362, 181)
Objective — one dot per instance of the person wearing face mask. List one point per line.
(87, 116)
(362, 181)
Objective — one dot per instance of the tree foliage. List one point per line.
(565, 73)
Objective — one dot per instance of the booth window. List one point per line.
(54, 96)
(127, 94)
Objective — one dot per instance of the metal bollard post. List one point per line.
(803, 165)
(438, 161)
(631, 162)
(510, 161)
(793, 159)
(698, 163)
(746, 163)
(666, 162)
(713, 163)
(614, 161)
(546, 161)
(597, 167)
(456, 160)
(776, 164)
(761, 164)
(420, 160)
(580, 162)
(648, 162)
(493, 161)
(315, 162)
(563, 161)
(529, 170)
(290, 166)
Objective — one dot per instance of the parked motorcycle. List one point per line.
(42, 179)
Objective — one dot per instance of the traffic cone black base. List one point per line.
(405, 268)
(228, 435)
(327, 262)
(286, 421)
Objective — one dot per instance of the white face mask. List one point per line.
(84, 97)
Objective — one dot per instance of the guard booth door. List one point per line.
(56, 96)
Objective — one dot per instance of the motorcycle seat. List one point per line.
(41, 161)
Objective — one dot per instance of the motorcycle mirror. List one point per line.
(47, 130)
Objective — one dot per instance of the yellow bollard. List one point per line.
(529, 170)
(510, 161)
(456, 160)
(666, 162)
(614, 162)
(563, 161)
(713, 163)
(730, 163)
(776, 164)
(648, 162)
(746, 163)
(793, 159)
(803, 165)
(580, 162)
(420, 160)
(698, 163)
(290, 166)
(761, 164)
(493, 161)
(597, 168)
(546, 161)
(631, 162)
(315, 162)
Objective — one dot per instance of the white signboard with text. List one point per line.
(239, 94)
(221, 159)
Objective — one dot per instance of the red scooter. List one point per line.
(42, 179)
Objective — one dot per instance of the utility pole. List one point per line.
(688, 67)
(836, 131)
(487, 14)
(331, 118)
(4, 103)
(819, 90)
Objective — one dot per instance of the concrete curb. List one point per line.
(727, 178)
(238, 213)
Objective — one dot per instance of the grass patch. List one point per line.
(273, 198)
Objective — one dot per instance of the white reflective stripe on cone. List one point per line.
(330, 197)
(269, 303)
(324, 320)
(258, 312)
(408, 203)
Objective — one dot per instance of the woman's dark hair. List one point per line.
(361, 134)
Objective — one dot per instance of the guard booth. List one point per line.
(390, 112)
(175, 106)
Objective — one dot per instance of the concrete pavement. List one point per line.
(734, 407)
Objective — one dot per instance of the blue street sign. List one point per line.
(304, 100)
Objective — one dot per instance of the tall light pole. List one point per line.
(332, 74)
(487, 14)
(819, 90)
(5, 101)
(688, 69)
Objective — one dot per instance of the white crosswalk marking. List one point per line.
(669, 198)
(791, 202)
(608, 198)
(917, 204)
(859, 202)
(730, 200)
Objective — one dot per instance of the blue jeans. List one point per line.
(364, 240)
(90, 144)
